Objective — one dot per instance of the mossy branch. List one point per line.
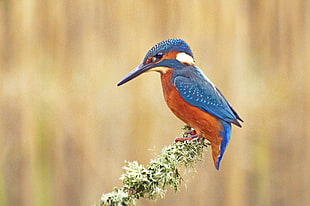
(152, 180)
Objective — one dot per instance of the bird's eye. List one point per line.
(157, 57)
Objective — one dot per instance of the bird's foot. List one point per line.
(190, 138)
(191, 132)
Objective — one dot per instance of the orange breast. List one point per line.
(204, 123)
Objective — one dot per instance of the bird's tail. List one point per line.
(221, 147)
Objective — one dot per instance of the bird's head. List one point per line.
(168, 54)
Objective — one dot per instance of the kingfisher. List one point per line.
(190, 95)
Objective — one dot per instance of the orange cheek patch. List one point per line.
(149, 60)
(171, 55)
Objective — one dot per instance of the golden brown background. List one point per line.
(66, 129)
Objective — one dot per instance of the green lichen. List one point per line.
(151, 181)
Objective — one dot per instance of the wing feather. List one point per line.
(199, 91)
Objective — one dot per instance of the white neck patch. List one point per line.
(185, 58)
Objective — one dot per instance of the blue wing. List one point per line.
(197, 90)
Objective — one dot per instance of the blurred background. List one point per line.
(66, 129)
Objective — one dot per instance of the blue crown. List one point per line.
(169, 45)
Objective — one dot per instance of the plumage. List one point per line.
(199, 91)
(169, 45)
(189, 94)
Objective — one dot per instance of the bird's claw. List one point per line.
(191, 132)
(190, 138)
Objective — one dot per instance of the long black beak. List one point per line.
(136, 72)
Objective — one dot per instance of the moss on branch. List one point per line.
(152, 180)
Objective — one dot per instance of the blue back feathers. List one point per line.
(197, 90)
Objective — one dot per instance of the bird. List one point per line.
(189, 94)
